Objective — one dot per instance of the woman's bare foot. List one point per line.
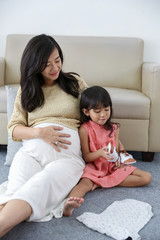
(71, 204)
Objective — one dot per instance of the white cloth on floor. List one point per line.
(122, 219)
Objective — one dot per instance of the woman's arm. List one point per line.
(87, 154)
(24, 132)
(50, 134)
(18, 117)
(19, 130)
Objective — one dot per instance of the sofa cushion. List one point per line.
(108, 61)
(129, 104)
(13, 146)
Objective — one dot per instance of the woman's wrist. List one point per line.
(37, 132)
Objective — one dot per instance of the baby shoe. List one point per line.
(126, 158)
(113, 153)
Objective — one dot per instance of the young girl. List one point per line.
(96, 132)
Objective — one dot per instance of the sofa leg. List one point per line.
(148, 156)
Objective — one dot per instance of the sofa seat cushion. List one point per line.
(129, 104)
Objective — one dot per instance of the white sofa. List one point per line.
(115, 63)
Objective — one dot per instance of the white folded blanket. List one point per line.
(122, 219)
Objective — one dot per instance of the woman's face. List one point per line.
(52, 70)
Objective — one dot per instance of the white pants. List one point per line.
(44, 177)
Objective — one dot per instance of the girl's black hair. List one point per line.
(94, 97)
(34, 61)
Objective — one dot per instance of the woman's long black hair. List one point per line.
(94, 97)
(34, 61)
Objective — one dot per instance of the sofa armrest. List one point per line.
(151, 88)
(2, 66)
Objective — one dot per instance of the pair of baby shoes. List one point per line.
(123, 156)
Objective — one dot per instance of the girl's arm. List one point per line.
(119, 145)
(117, 140)
(121, 148)
(87, 154)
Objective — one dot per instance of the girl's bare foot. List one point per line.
(71, 204)
(2, 206)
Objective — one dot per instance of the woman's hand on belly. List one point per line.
(53, 136)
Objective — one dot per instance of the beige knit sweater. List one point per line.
(59, 107)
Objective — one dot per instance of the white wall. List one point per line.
(137, 18)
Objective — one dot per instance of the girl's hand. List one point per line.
(104, 153)
(54, 137)
(118, 164)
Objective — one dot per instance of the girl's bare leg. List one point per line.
(13, 213)
(136, 179)
(75, 198)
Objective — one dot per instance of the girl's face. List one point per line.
(99, 115)
(52, 70)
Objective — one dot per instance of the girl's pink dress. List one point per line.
(101, 171)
